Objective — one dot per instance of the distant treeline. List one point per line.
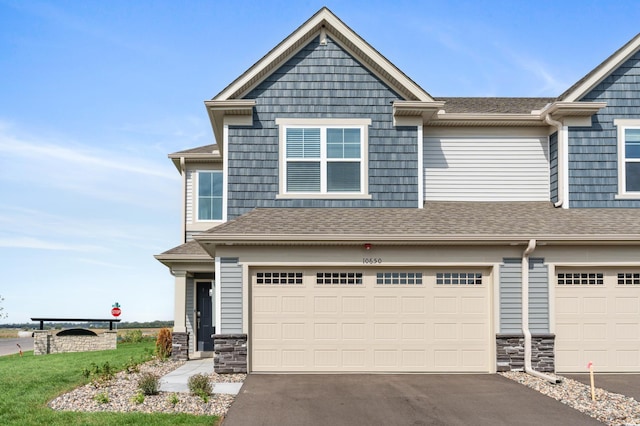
(120, 325)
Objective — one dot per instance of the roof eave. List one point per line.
(563, 109)
(443, 118)
(231, 111)
(324, 239)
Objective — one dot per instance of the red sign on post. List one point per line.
(116, 312)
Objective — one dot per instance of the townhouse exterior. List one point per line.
(345, 220)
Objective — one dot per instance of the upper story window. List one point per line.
(628, 158)
(323, 158)
(209, 195)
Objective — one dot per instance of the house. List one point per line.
(345, 220)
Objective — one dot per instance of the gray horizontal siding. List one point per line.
(321, 82)
(593, 158)
(230, 282)
(511, 296)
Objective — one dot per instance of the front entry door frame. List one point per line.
(205, 315)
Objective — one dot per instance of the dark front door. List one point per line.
(204, 317)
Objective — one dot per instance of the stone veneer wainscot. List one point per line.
(510, 352)
(230, 353)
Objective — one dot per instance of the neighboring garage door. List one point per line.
(598, 320)
(312, 320)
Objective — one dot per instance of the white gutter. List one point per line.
(525, 316)
(563, 162)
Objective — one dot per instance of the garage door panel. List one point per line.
(415, 327)
(445, 305)
(598, 323)
(294, 304)
(627, 305)
(354, 304)
(629, 332)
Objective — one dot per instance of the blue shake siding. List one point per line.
(321, 81)
(593, 152)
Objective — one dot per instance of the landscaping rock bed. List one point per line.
(609, 408)
(121, 391)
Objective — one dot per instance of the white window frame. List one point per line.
(324, 124)
(196, 196)
(623, 124)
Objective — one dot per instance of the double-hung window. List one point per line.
(628, 158)
(323, 158)
(209, 195)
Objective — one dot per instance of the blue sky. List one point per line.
(95, 94)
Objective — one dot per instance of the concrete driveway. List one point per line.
(625, 384)
(394, 399)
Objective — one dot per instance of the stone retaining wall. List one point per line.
(510, 352)
(46, 343)
(230, 353)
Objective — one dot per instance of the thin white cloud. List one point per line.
(22, 242)
(77, 155)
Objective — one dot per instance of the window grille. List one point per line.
(458, 278)
(629, 278)
(278, 278)
(399, 278)
(340, 278)
(581, 278)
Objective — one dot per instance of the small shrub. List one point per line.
(138, 398)
(99, 375)
(163, 343)
(173, 399)
(132, 366)
(199, 385)
(149, 384)
(101, 398)
(132, 336)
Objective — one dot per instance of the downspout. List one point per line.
(183, 174)
(563, 168)
(525, 316)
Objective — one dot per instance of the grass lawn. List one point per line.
(28, 383)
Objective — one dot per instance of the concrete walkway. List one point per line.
(176, 381)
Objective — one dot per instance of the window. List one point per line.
(458, 278)
(629, 278)
(628, 158)
(209, 195)
(323, 158)
(341, 278)
(581, 278)
(276, 278)
(399, 278)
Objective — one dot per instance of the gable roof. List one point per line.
(599, 73)
(324, 22)
(437, 222)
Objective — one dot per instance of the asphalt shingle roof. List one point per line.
(494, 105)
(191, 248)
(437, 220)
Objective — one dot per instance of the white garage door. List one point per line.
(312, 320)
(598, 320)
